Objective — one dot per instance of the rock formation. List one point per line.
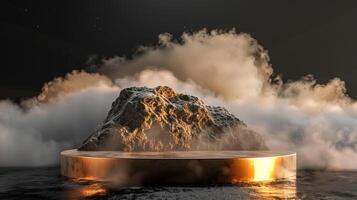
(159, 119)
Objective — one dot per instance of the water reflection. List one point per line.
(263, 190)
(275, 190)
(46, 183)
(84, 189)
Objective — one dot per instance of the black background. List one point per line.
(43, 39)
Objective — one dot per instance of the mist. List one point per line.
(33, 133)
(224, 68)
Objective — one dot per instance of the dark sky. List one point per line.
(42, 39)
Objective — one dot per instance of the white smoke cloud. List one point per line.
(229, 64)
(223, 68)
(35, 135)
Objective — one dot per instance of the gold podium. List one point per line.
(178, 167)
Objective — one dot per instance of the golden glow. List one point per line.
(89, 178)
(251, 167)
(264, 169)
(93, 190)
(283, 190)
(85, 191)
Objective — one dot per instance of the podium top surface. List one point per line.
(177, 154)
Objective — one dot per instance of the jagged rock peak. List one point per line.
(159, 119)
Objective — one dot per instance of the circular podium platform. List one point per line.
(178, 167)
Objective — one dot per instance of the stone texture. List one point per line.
(159, 119)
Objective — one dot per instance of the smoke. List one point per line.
(224, 68)
(206, 58)
(35, 132)
(73, 82)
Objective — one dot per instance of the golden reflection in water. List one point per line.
(275, 190)
(92, 190)
(85, 191)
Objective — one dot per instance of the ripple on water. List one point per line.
(46, 183)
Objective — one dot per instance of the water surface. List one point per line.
(47, 183)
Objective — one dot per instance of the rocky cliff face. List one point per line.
(159, 119)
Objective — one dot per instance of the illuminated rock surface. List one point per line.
(159, 119)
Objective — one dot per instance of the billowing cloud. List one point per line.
(35, 133)
(229, 64)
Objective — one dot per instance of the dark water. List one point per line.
(46, 183)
